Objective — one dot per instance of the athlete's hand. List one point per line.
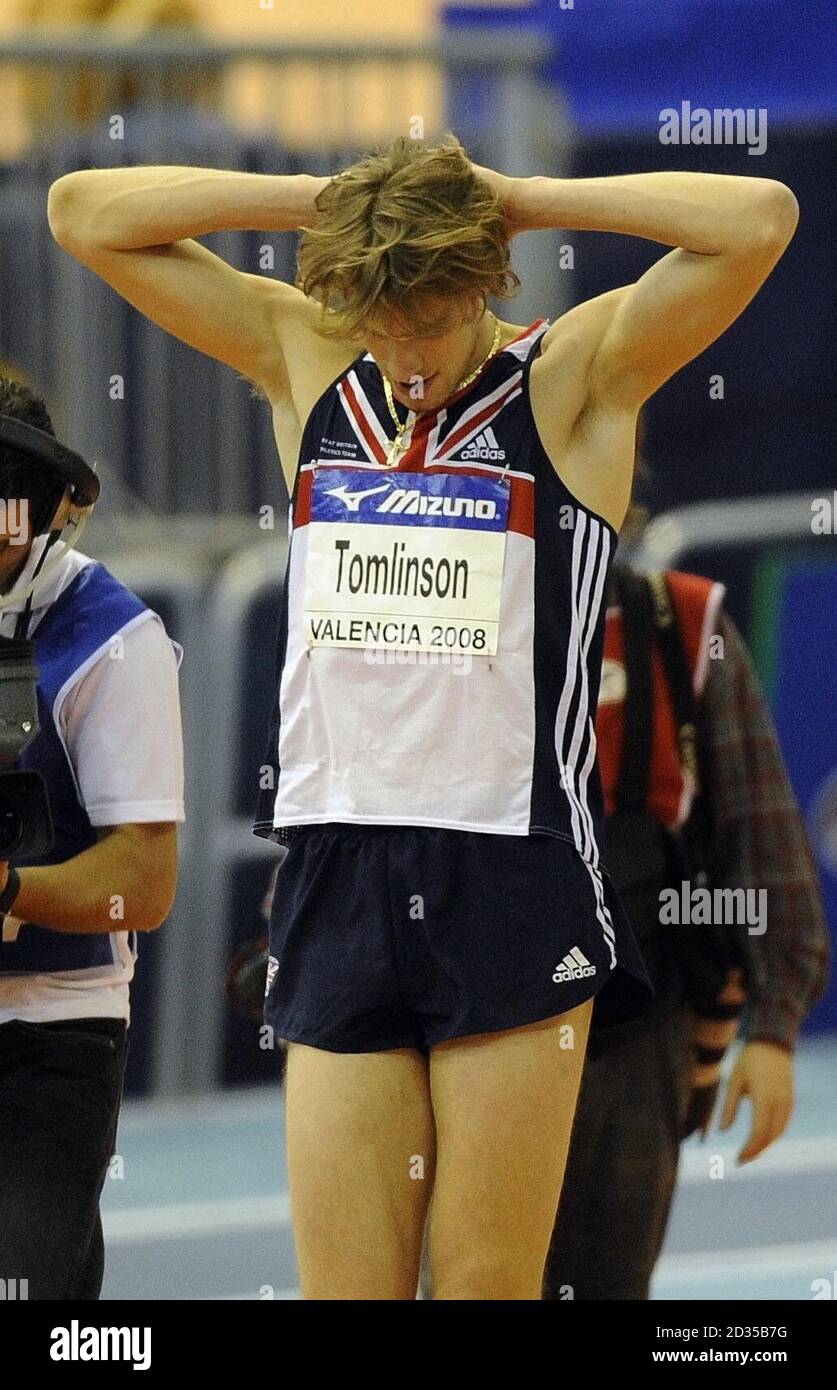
(509, 191)
(764, 1072)
(4, 873)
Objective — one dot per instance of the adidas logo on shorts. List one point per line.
(574, 966)
(485, 446)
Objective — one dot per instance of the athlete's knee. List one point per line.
(486, 1274)
(486, 1282)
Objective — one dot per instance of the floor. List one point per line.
(197, 1205)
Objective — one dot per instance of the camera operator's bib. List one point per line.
(407, 562)
(80, 625)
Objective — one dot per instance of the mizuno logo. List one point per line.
(485, 446)
(411, 502)
(574, 966)
(353, 499)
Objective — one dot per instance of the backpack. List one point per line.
(687, 962)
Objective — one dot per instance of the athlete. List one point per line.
(442, 922)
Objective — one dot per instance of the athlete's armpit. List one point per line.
(591, 447)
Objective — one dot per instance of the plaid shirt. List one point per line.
(759, 841)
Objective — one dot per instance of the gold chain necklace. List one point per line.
(397, 447)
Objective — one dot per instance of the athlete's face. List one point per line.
(424, 371)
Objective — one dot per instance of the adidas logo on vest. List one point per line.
(485, 446)
(574, 966)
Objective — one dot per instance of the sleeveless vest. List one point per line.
(442, 621)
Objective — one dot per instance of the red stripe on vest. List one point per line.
(362, 422)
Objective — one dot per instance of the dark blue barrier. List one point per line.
(259, 681)
(618, 64)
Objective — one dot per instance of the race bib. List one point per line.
(407, 561)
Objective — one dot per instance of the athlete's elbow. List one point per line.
(79, 211)
(68, 210)
(776, 216)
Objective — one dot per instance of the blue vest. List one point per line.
(329, 701)
(92, 609)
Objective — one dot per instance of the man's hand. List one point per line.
(4, 873)
(509, 191)
(764, 1072)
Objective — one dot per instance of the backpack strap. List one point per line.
(632, 786)
(679, 679)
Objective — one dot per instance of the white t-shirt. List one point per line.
(121, 729)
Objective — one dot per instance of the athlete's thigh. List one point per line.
(361, 1153)
(503, 1104)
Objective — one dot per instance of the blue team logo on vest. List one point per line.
(410, 499)
(92, 609)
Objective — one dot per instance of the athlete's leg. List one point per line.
(503, 1105)
(360, 1160)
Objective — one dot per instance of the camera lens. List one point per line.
(11, 827)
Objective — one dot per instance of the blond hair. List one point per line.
(399, 230)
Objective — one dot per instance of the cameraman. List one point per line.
(109, 750)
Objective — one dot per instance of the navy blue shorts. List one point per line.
(392, 936)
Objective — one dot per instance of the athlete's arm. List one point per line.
(603, 359)
(135, 228)
(125, 882)
(728, 233)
